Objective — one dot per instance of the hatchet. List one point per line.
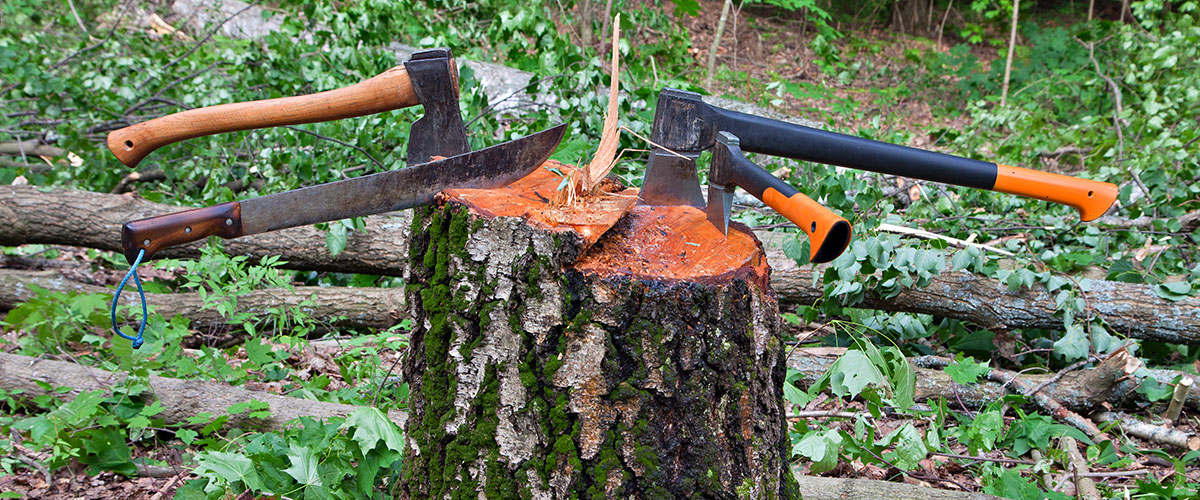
(685, 124)
(428, 78)
(828, 233)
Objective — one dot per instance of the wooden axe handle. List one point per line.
(389, 90)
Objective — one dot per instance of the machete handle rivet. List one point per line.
(228, 222)
(146, 242)
(187, 230)
(128, 145)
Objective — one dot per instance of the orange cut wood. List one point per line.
(677, 243)
(590, 216)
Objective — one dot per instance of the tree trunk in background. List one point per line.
(1012, 45)
(550, 362)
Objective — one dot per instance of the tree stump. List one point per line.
(602, 350)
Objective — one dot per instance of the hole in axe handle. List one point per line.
(128, 145)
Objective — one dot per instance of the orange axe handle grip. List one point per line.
(1091, 198)
(389, 90)
(828, 233)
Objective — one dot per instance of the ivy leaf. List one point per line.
(1174, 291)
(910, 448)
(795, 396)
(1074, 345)
(371, 426)
(304, 465)
(966, 370)
(232, 467)
(335, 239)
(186, 435)
(852, 373)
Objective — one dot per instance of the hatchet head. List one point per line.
(440, 132)
(679, 134)
(828, 233)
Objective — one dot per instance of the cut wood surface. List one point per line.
(181, 399)
(329, 307)
(80, 218)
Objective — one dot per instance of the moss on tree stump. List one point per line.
(595, 351)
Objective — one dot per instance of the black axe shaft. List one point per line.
(685, 123)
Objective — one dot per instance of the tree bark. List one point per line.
(543, 367)
(181, 399)
(80, 218)
(332, 307)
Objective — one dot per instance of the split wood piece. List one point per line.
(830, 488)
(1178, 396)
(181, 399)
(606, 154)
(330, 307)
(80, 218)
(539, 368)
(530, 199)
(1085, 488)
(1011, 382)
(1150, 432)
(1081, 391)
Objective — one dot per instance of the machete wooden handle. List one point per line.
(155, 233)
(389, 90)
(1091, 198)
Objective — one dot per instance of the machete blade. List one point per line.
(399, 189)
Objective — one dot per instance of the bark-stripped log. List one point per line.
(334, 307)
(1150, 432)
(1079, 391)
(80, 218)
(540, 368)
(181, 399)
(830, 488)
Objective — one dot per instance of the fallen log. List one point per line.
(1080, 391)
(829, 488)
(329, 307)
(1150, 432)
(66, 217)
(181, 399)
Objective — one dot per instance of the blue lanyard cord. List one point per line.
(137, 341)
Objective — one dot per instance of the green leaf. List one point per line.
(371, 426)
(1074, 345)
(853, 372)
(686, 7)
(304, 465)
(795, 396)
(335, 239)
(966, 370)
(232, 467)
(186, 435)
(910, 448)
(107, 451)
(1174, 291)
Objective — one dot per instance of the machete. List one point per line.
(370, 194)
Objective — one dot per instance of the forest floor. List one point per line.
(882, 96)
